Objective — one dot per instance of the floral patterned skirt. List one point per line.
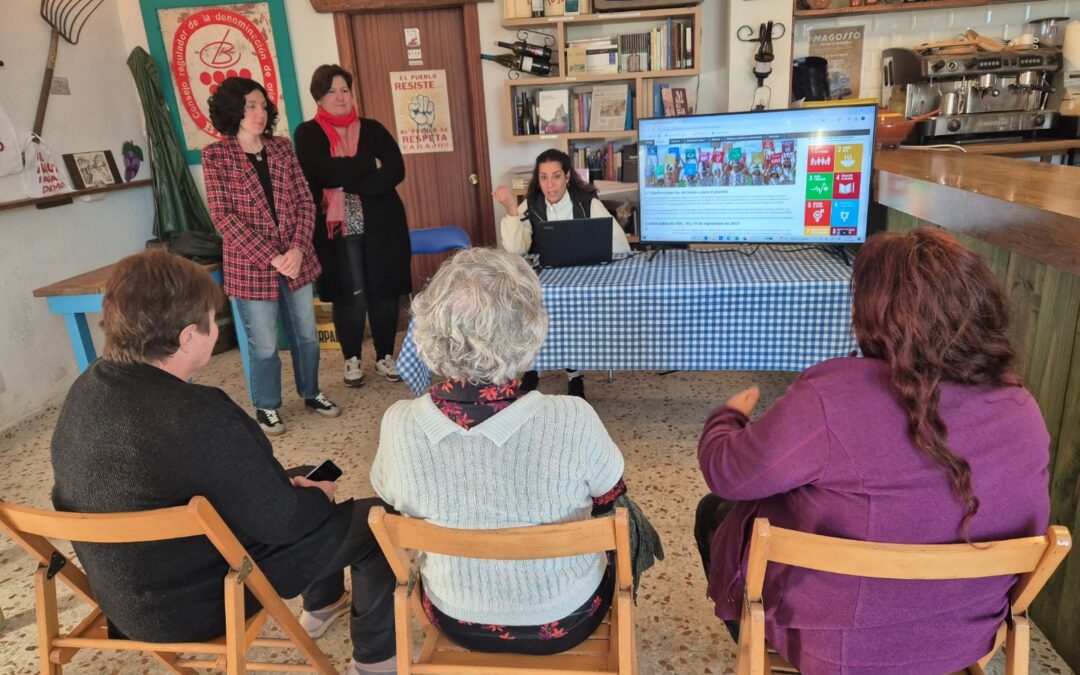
(549, 638)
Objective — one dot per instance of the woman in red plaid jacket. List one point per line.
(260, 203)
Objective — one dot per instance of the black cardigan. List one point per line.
(132, 437)
(386, 232)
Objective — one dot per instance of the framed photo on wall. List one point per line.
(92, 169)
(198, 43)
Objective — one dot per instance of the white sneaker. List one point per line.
(387, 667)
(387, 368)
(316, 623)
(354, 372)
(270, 421)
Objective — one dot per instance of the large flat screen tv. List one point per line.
(774, 177)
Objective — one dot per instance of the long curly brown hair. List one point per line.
(933, 310)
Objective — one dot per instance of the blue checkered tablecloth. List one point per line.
(782, 308)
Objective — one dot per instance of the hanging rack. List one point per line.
(748, 34)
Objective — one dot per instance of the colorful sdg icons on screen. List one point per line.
(833, 182)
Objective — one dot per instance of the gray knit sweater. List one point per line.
(539, 461)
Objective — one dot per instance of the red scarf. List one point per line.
(334, 198)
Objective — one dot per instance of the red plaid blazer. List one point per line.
(241, 213)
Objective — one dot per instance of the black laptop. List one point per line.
(568, 243)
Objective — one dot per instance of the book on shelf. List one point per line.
(554, 7)
(517, 9)
(668, 101)
(553, 111)
(600, 60)
(678, 98)
(575, 61)
(608, 107)
(572, 7)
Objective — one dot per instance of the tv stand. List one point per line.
(841, 252)
(660, 248)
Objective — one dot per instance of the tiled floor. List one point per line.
(654, 418)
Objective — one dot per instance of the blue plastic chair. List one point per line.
(439, 239)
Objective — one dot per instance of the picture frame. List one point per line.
(198, 43)
(92, 169)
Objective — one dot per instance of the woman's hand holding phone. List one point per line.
(328, 487)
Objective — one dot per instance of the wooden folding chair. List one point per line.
(1033, 558)
(30, 527)
(610, 649)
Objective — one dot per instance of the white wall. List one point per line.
(908, 29)
(38, 247)
(741, 81)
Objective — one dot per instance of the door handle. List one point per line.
(474, 179)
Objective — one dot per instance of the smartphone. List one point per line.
(325, 471)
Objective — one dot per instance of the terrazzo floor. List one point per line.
(655, 419)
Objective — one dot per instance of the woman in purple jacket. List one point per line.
(928, 439)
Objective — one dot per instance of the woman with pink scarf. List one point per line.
(353, 166)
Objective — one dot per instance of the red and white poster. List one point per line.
(205, 45)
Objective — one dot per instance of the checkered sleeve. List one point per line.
(221, 195)
(301, 204)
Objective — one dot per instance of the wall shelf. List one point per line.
(68, 197)
(602, 17)
(884, 8)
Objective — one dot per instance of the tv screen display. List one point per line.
(776, 177)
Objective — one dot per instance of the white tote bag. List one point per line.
(10, 152)
(42, 177)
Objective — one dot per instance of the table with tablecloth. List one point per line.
(769, 308)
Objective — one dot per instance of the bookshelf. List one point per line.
(842, 9)
(582, 26)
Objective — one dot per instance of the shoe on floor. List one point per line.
(316, 623)
(576, 387)
(387, 667)
(529, 381)
(322, 405)
(270, 421)
(387, 368)
(354, 372)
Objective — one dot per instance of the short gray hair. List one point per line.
(481, 317)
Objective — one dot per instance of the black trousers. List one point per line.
(711, 511)
(371, 621)
(382, 313)
(355, 302)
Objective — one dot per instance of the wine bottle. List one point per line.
(524, 48)
(504, 60)
(537, 8)
(533, 65)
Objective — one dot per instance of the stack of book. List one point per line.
(600, 107)
(603, 163)
(592, 57)
(520, 176)
(669, 46)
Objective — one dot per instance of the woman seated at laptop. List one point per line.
(476, 452)
(928, 439)
(555, 192)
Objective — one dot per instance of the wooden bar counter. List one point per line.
(1024, 218)
(1031, 208)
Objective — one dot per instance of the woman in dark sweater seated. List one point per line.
(134, 435)
(927, 439)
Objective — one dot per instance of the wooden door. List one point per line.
(440, 188)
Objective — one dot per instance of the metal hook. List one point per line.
(747, 34)
(524, 34)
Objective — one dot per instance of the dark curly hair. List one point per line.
(323, 78)
(577, 187)
(933, 311)
(227, 106)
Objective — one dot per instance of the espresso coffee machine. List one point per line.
(982, 95)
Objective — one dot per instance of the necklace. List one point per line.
(260, 155)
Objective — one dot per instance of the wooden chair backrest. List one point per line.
(31, 528)
(1035, 558)
(399, 534)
